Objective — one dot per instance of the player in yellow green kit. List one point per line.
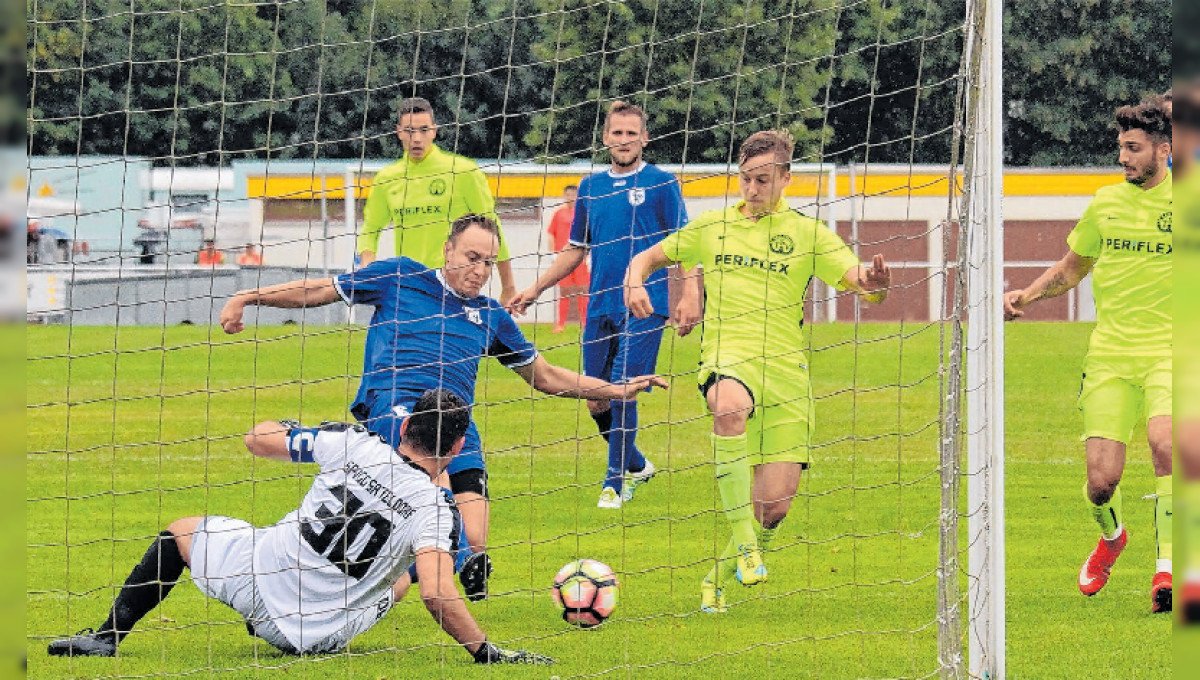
(758, 258)
(423, 193)
(1185, 125)
(1124, 240)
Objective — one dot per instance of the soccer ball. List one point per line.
(586, 592)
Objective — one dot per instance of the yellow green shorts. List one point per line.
(1116, 392)
(780, 428)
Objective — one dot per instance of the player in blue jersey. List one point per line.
(619, 213)
(431, 328)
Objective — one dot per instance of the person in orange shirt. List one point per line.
(249, 257)
(575, 284)
(210, 256)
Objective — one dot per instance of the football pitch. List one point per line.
(152, 420)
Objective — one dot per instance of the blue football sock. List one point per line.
(634, 460)
(622, 454)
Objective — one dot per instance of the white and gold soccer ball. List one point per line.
(586, 592)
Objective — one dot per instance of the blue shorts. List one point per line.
(387, 410)
(619, 347)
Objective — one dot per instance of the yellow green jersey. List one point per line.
(1187, 307)
(1127, 230)
(756, 276)
(422, 199)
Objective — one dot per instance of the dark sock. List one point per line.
(148, 584)
(603, 422)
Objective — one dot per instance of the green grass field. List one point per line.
(130, 428)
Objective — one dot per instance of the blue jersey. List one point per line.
(423, 334)
(618, 216)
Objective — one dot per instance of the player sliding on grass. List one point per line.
(431, 328)
(1124, 240)
(323, 574)
(758, 258)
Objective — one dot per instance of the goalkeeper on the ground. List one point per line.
(328, 571)
(758, 258)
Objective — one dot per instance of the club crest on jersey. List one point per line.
(473, 316)
(637, 197)
(437, 187)
(781, 244)
(1164, 222)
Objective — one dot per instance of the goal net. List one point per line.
(182, 151)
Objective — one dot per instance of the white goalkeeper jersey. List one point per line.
(325, 565)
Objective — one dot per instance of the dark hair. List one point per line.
(438, 421)
(571, 187)
(1149, 116)
(414, 105)
(473, 220)
(622, 108)
(777, 142)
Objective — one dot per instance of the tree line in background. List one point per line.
(877, 80)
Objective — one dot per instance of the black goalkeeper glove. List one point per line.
(489, 653)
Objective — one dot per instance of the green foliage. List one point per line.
(872, 80)
(1069, 65)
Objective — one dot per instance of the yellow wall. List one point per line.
(512, 184)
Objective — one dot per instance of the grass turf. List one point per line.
(130, 428)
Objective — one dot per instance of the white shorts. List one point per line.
(223, 569)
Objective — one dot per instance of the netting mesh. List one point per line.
(157, 126)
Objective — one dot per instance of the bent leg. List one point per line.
(775, 486)
(152, 579)
(1105, 465)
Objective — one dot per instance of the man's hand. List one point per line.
(506, 295)
(638, 300)
(1014, 300)
(231, 316)
(688, 314)
(487, 653)
(521, 301)
(630, 389)
(878, 277)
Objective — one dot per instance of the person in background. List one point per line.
(249, 257)
(575, 284)
(209, 256)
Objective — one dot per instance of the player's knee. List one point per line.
(1101, 488)
(729, 414)
(772, 514)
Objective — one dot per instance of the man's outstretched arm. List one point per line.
(1058, 279)
(564, 263)
(435, 576)
(291, 295)
(563, 382)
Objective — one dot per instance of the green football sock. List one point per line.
(734, 481)
(1108, 516)
(1163, 512)
(726, 565)
(1191, 525)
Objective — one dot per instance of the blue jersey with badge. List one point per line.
(618, 216)
(423, 334)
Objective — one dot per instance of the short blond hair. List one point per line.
(624, 108)
(779, 143)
